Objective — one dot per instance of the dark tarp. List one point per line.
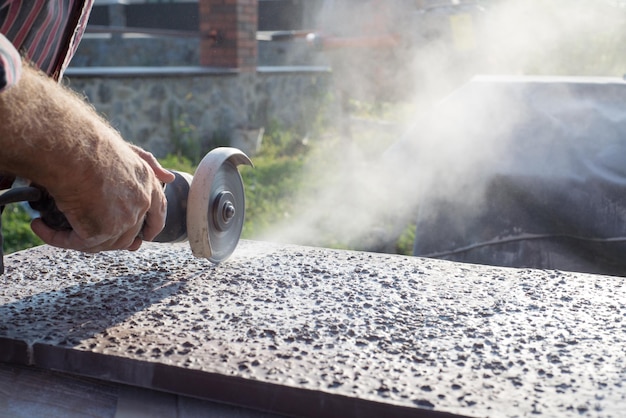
(525, 172)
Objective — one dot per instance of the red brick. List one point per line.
(236, 20)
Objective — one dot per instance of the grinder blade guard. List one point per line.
(208, 208)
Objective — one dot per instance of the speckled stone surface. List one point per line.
(315, 332)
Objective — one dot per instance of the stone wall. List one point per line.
(165, 108)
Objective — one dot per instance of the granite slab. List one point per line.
(313, 332)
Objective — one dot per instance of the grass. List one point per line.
(16, 230)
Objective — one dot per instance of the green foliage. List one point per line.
(274, 182)
(187, 141)
(282, 143)
(405, 242)
(184, 137)
(271, 188)
(178, 163)
(16, 230)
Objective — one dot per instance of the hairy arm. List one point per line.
(105, 187)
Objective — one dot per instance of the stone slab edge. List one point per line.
(232, 390)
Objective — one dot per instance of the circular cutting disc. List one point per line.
(216, 205)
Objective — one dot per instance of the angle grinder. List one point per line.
(207, 208)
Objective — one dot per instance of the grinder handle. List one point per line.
(49, 212)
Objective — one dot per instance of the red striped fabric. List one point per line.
(46, 32)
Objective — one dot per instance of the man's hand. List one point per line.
(110, 192)
(114, 212)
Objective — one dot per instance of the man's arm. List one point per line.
(107, 189)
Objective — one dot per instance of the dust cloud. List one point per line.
(368, 196)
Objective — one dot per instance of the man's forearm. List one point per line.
(47, 131)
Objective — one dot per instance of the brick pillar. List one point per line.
(228, 29)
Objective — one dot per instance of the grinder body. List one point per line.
(176, 193)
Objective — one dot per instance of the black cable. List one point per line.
(519, 238)
(20, 194)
